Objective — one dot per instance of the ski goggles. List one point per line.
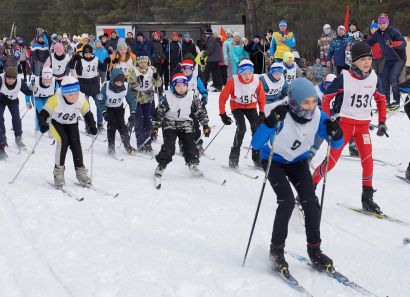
(187, 67)
(245, 69)
(274, 70)
(179, 81)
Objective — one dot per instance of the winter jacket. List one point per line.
(324, 44)
(255, 51)
(337, 49)
(24, 89)
(213, 50)
(40, 52)
(237, 53)
(145, 48)
(226, 50)
(102, 55)
(274, 97)
(134, 82)
(377, 52)
(10, 55)
(160, 56)
(113, 42)
(277, 47)
(173, 52)
(188, 48)
(392, 43)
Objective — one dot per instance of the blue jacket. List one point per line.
(385, 39)
(264, 134)
(337, 49)
(101, 53)
(145, 48)
(276, 97)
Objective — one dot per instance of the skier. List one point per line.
(245, 91)
(64, 108)
(142, 79)
(59, 62)
(274, 84)
(110, 103)
(173, 115)
(44, 87)
(353, 90)
(123, 57)
(86, 68)
(10, 87)
(291, 69)
(298, 123)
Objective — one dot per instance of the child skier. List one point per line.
(59, 62)
(142, 79)
(64, 108)
(110, 102)
(245, 91)
(44, 87)
(298, 124)
(353, 90)
(173, 115)
(10, 87)
(274, 84)
(291, 69)
(123, 58)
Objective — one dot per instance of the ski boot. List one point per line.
(277, 256)
(258, 163)
(3, 154)
(233, 163)
(319, 260)
(393, 106)
(367, 200)
(199, 147)
(83, 178)
(159, 171)
(58, 173)
(408, 172)
(195, 172)
(111, 149)
(100, 127)
(131, 151)
(353, 149)
(148, 148)
(19, 142)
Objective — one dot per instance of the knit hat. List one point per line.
(179, 78)
(156, 33)
(140, 59)
(341, 27)
(359, 50)
(187, 64)
(187, 35)
(245, 66)
(97, 41)
(84, 36)
(283, 23)
(122, 44)
(299, 90)
(70, 85)
(330, 77)
(326, 27)
(87, 49)
(288, 56)
(58, 48)
(229, 31)
(236, 34)
(374, 25)
(276, 68)
(11, 72)
(47, 73)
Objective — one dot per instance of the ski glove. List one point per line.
(131, 120)
(225, 119)
(155, 75)
(276, 115)
(115, 61)
(106, 116)
(93, 130)
(261, 117)
(333, 129)
(154, 133)
(382, 129)
(43, 127)
(207, 130)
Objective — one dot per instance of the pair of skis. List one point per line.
(80, 198)
(158, 180)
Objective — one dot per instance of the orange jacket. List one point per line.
(229, 91)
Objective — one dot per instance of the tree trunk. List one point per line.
(251, 27)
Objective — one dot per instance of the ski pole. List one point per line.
(214, 137)
(28, 157)
(146, 140)
(248, 148)
(262, 191)
(95, 138)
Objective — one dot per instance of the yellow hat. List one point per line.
(288, 56)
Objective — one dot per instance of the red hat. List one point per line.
(179, 78)
(187, 63)
(156, 33)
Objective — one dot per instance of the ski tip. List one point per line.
(224, 182)
(116, 195)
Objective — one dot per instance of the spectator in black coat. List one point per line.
(188, 47)
(255, 50)
(113, 40)
(144, 47)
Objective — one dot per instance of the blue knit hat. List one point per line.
(299, 90)
(283, 23)
(70, 85)
(374, 25)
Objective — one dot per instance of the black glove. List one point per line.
(93, 130)
(202, 60)
(131, 119)
(77, 57)
(106, 116)
(154, 133)
(155, 75)
(333, 129)
(207, 130)
(43, 127)
(115, 61)
(382, 130)
(225, 119)
(261, 117)
(107, 60)
(276, 115)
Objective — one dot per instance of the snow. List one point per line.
(188, 239)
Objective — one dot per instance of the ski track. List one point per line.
(189, 238)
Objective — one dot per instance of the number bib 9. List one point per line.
(245, 93)
(357, 96)
(65, 113)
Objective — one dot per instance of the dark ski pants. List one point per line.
(143, 122)
(253, 118)
(214, 69)
(67, 136)
(13, 106)
(117, 123)
(191, 154)
(299, 175)
(390, 77)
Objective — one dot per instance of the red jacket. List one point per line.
(377, 51)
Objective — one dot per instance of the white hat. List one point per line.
(330, 77)
(65, 35)
(236, 34)
(84, 36)
(326, 26)
(229, 31)
(122, 44)
(47, 73)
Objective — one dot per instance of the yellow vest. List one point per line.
(280, 46)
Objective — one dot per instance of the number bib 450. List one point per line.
(245, 93)
(357, 96)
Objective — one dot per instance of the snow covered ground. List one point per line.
(188, 239)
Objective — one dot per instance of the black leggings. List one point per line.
(299, 175)
(67, 136)
(117, 122)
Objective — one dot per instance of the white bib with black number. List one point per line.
(13, 93)
(289, 74)
(275, 87)
(44, 92)
(124, 66)
(90, 68)
(67, 113)
(179, 108)
(295, 139)
(115, 99)
(245, 93)
(357, 96)
(59, 66)
(193, 85)
(146, 83)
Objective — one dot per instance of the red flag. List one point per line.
(347, 16)
(222, 33)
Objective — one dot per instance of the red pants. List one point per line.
(361, 136)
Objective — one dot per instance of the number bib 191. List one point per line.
(245, 93)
